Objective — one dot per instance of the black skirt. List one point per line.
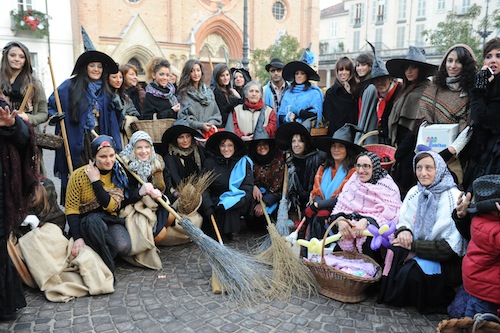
(11, 288)
(407, 285)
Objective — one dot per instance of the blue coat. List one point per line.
(298, 99)
(109, 124)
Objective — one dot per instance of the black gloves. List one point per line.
(482, 79)
(446, 154)
(306, 114)
(55, 119)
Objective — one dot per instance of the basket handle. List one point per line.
(325, 236)
(366, 136)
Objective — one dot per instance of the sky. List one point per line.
(327, 3)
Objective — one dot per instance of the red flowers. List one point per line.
(31, 21)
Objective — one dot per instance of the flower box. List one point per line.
(30, 23)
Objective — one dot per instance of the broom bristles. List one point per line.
(189, 191)
(282, 219)
(289, 272)
(246, 279)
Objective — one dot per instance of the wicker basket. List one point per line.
(383, 151)
(339, 285)
(47, 140)
(319, 131)
(155, 127)
(468, 325)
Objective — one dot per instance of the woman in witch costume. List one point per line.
(302, 102)
(423, 265)
(376, 105)
(268, 171)
(230, 195)
(86, 102)
(184, 157)
(15, 77)
(331, 176)
(370, 196)
(303, 160)
(447, 101)
(414, 71)
(96, 192)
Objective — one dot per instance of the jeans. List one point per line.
(476, 305)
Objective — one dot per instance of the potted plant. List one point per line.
(32, 21)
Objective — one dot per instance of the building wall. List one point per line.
(179, 30)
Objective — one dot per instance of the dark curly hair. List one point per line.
(469, 68)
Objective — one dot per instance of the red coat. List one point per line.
(481, 264)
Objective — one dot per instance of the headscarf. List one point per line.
(119, 177)
(428, 198)
(142, 168)
(377, 171)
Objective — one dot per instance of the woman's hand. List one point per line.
(462, 204)
(92, 172)
(23, 116)
(359, 226)
(345, 229)
(247, 137)
(404, 240)
(258, 211)
(235, 93)
(7, 118)
(257, 194)
(145, 189)
(176, 107)
(207, 127)
(77, 246)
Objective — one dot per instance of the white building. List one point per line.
(58, 44)
(391, 25)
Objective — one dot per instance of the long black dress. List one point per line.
(16, 144)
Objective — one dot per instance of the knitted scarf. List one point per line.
(254, 106)
(142, 168)
(94, 95)
(167, 93)
(378, 172)
(203, 95)
(429, 196)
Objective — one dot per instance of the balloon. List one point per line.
(380, 236)
(315, 245)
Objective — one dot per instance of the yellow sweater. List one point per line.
(80, 192)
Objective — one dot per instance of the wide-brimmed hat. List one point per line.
(292, 67)
(286, 131)
(108, 64)
(172, 133)
(415, 57)
(344, 135)
(215, 139)
(486, 194)
(276, 63)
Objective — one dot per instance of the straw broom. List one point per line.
(289, 272)
(246, 279)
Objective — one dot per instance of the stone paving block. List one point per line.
(331, 328)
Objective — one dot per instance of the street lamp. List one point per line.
(245, 60)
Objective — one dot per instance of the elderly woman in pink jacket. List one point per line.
(370, 196)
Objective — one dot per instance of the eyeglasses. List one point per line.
(364, 166)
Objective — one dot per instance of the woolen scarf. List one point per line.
(429, 196)
(203, 95)
(174, 150)
(142, 168)
(378, 172)
(167, 93)
(254, 106)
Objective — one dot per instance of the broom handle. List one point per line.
(61, 123)
(216, 228)
(285, 180)
(263, 205)
(142, 182)
(25, 99)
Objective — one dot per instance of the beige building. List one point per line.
(137, 30)
(391, 25)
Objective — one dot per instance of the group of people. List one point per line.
(257, 142)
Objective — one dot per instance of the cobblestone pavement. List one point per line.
(146, 301)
